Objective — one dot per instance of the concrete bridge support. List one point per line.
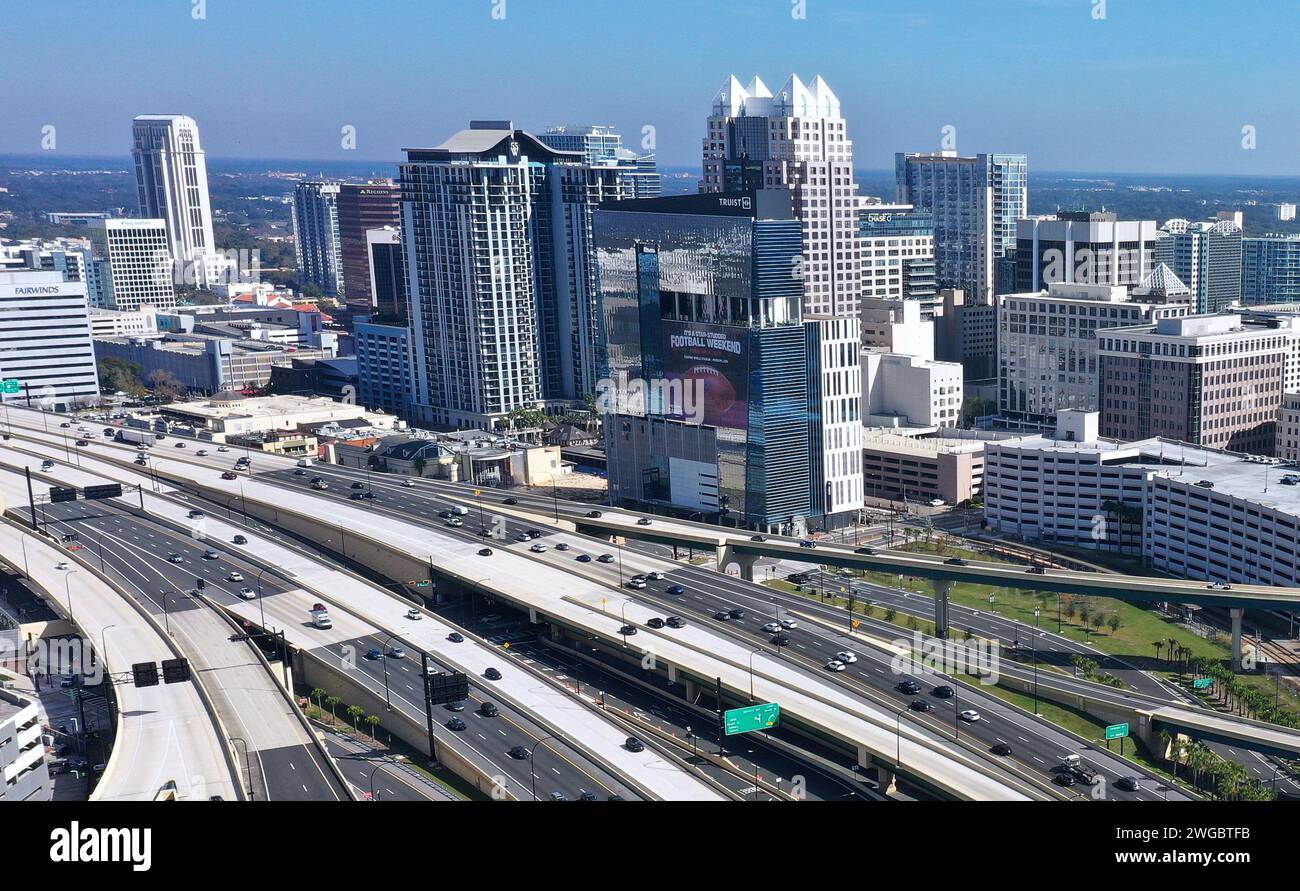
(942, 588)
(727, 555)
(1236, 613)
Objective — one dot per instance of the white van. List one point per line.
(460, 510)
(304, 462)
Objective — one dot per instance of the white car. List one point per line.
(455, 522)
(414, 613)
(772, 627)
(246, 593)
(202, 453)
(408, 484)
(789, 624)
(970, 716)
(538, 548)
(656, 575)
(835, 665)
(222, 449)
(848, 657)
(235, 577)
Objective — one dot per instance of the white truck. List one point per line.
(137, 436)
(320, 616)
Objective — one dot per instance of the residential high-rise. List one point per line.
(383, 367)
(316, 236)
(707, 379)
(976, 203)
(171, 175)
(131, 264)
(1084, 248)
(601, 144)
(45, 328)
(795, 140)
(388, 279)
(898, 254)
(1206, 256)
(835, 419)
(1270, 269)
(361, 208)
(497, 227)
(1212, 380)
(1047, 346)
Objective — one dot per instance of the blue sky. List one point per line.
(1156, 85)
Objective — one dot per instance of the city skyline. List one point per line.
(997, 88)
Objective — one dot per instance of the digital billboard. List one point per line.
(707, 364)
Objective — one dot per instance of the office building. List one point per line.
(503, 295)
(1284, 213)
(602, 145)
(388, 278)
(362, 207)
(206, 364)
(130, 265)
(910, 391)
(976, 203)
(123, 322)
(1288, 428)
(66, 256)
(897, 326)
(383, 367)
(1083, 248)
(795, 140)
(46, 342)
(1270, 269)
(707, 376)
(1206, 256)
(22, 749)
(171, 175)
(1214, 380)
(966, 331)
(1189, 511)
(897, 245)
(835, 419)
(1047, 346)
(316, 236)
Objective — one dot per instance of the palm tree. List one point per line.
(1159, 645)
(333, 702)
(372, 720)
(355, 712)
(316, 694)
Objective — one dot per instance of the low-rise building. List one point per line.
(230, 414)
(898, 467)
(902, 389)
(26, 777)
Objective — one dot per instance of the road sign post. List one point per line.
(1116, 731)
(1202, 683)
(11, 386)
(754, 717)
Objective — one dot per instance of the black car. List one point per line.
(634, 745)
(911, 688)
(1037, 570)
(655, 622)
(445, 515)
(1063, 779)
(757, 538)
(455, 724)
(356, 496)
(1128, 784)
(299, 472)
(956, 561)
(722, 615)
(458, 706)
(456, 637)
(864, 550)
(627, 629)
(583, 558)
(83, 442)
(489, 710)
(781, 640)
(485, 552)
(534, 533)
(676, 589)
(1001, 749)
(492, 674)
(594, 514)
(675, 622)
(519, 753)
(736, 612)
(511, 501)
(921, 705)
(588, 796)
(317, 479)
(944, 692)
(357, 485)
(239, 539)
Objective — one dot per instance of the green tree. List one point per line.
(355, 712)
(333, 702)
(120, 375)
(373, 721)
(317, 694)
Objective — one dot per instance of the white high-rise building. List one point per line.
(797, 140)
(836, 374)
(47, 346)
(171, 176)
(131, 265)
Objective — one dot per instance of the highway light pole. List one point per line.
(260, 607)
(751, 669)
(532, 767)
(1033, 645)
(67, 590)
(103, 644)
(383, 654)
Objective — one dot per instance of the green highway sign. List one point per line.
(10, 385)
(1117, 731)
(754, 717)
(1202, 683)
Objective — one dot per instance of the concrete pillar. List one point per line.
(532, 615)
(942, 588)
(886, 779)
(672, 674)
(692, 690)
(1236, 613)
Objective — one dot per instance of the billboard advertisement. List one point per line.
(708, 364)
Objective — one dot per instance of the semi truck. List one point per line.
(137, 436)
(1081, 772)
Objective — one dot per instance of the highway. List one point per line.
(560, 767)
(166, 738)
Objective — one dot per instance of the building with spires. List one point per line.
(795, 139)
(1206, 255)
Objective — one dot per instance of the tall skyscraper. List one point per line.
(362, 207)
(130, 264)
(388, 280)
(795, 140)
(1083, 248)
(45, 327)
(1206, 256)
(898, 255)
(171, 175)
(1270, 269)
(601, 144)
(497, 226)
(316, 236)
(976, 202)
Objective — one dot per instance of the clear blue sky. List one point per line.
(1157, 85)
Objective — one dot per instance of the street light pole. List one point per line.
(532, 767)
(67, 590)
